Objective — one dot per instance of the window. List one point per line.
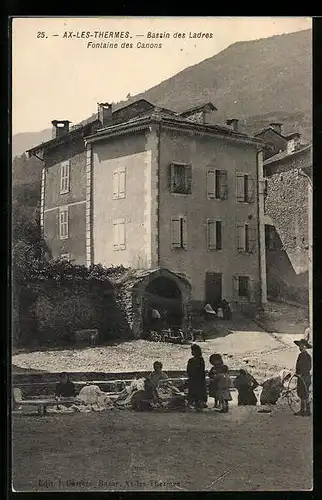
(271, 242)
(119, 183)
(246, 238)
(65, 256)
(179, 231)
(119, 234)
(217, 186)
(245, 188)
(214, 234)
(63, 223)
(180, 176)
(64, 177)
(243, 286)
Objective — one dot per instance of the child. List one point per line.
(224, 395)
(216, 361)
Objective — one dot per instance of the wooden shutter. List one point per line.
(115, 184)
(64, 177)
(121, 184)
(235, 287)
(223, 183)
(184, 232)
(240, 236)
(251, 189)
(252, 237)
(211, 234)
(121, 234)
(175, 232)
(240, 195)
(188, 172)
(211, 183)
(115, 234)
(253, 290)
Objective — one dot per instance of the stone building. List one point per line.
(286, 214)
(150, 188)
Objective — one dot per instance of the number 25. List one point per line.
(41, 34)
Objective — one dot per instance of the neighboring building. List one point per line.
(286, 215)
(149, 188)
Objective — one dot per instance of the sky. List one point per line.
(54, 77)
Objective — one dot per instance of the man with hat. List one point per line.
(302, 371)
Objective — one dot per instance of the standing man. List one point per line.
(302, 371)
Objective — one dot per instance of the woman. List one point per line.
(217, 362)
(245, 385)
(197, 390)
(272, 388)
(65, 387)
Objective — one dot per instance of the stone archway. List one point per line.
(161, 289)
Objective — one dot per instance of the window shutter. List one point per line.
(211, 234)
(175, 232)
(252, 239)
(223, 185)
(240, 195)
(235, 287)
(67, 175)
(211, 183)
(115, 234)
(115, 184)
(184, 232)
(188, 171)
(121, 234)
(121, 176)
(241, 237)
(251, 189)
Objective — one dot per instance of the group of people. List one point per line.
(157, 391)
(219, 383)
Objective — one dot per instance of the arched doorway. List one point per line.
(159, 288)
(163, 295)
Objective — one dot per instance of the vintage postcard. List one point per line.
(162, 254)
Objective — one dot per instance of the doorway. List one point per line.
(213, 289)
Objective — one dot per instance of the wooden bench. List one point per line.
(40, 403)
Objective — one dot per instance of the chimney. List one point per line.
(233, 123)
(277, 127)
(60, 127)
(104, 113)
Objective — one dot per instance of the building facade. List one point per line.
(149, 188)
(286, 215)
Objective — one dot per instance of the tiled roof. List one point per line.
(285, 154)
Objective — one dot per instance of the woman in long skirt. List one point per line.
(197, 389)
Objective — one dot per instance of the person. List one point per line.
(216, 361)
(272, 388)
(302, 371)
(245, 385)
(197, 389)
(225, 307)
(224, 395)
(65, 388)
(157, 373)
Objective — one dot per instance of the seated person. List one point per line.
(157, 373)
(272, 388)
(245, 385)
(65, 387)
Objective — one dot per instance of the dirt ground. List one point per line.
(125, 451)
(261, 353)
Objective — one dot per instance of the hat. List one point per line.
(304, 342)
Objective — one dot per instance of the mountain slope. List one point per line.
(258, 81)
